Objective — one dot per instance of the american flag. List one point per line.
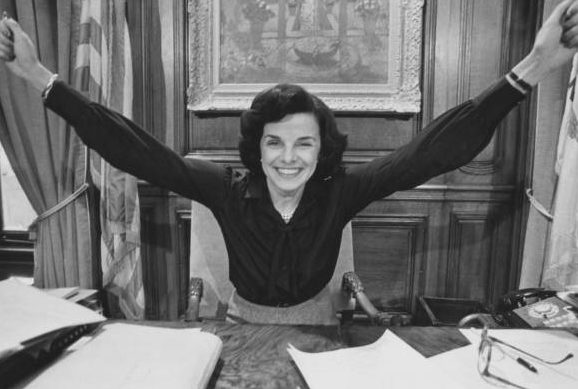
(103, 71)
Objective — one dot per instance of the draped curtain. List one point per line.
(550, 96)
(551, 244)
(48, 159)
(86, 42)
(561, 265)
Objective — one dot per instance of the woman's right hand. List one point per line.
(19, 54)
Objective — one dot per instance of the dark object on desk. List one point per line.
(37, 327)
(538, 308)
(39, 352)
(550, 312)
(523, 297)
(441, 311)
(86, 297)
(530, 308)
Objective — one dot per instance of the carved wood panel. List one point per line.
(389, 260)
(471, 245)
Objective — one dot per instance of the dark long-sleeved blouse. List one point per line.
(270, 262)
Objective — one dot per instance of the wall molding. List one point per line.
(415, 226)
(459, 222)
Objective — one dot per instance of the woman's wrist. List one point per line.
(531, 70)
(518, 83)
(39, 77)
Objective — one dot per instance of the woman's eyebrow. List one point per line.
(308, 137)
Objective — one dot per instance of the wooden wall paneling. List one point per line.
(478, 41)
(164, 250)
(183, 233)
(448, 238)
(429, 60)
(376, 134)
(215, 134)
(136, 33)
(479, 250)
(158, 42)
(389, 260)
(175, 257)
(179, 76)
(468, 51)
(472, 238)
(148, 70)
(157, 254)
(150, 267)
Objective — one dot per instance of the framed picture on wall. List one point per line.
(357, 55)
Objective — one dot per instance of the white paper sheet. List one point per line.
(27, 312)
(387, 363)
(550, 345)
(133, 356)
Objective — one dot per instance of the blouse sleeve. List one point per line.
(450, 141)
(126, 146)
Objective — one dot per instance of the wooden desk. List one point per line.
(255, 356)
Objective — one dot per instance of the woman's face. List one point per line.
(289, 152)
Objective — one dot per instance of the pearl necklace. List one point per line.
(288, 215)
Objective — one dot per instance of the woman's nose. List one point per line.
(288, 154)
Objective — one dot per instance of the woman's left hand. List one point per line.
(19, 53)
(555, 44)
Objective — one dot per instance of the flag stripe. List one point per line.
(104, 72)
(91, 33)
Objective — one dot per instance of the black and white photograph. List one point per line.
(300, 194)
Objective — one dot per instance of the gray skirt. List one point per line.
(318, 310)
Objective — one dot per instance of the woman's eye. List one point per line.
(305, 144)
(273, 142)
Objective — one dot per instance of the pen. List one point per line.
(526, 364)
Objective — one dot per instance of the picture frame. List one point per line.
(356, 55)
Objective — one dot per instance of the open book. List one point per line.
(34, 324)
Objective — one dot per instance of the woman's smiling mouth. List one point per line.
(288, 172)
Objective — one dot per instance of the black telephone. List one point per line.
(538, 307)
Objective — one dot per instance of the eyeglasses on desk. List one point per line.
(490, 346)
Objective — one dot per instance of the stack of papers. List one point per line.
(131, 356)
(387, 363)
(118, 355)
(391, 363)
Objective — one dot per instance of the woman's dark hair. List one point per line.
(274, 104)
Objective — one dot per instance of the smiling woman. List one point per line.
(290, 132)
(289, 152)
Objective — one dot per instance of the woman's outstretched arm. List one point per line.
(458, 135)
(121, 142)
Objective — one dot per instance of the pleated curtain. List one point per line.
(48, 159)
